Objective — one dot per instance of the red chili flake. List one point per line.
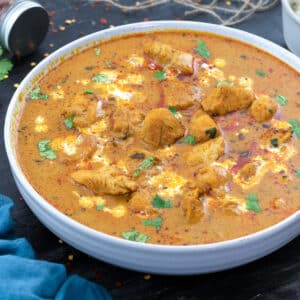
(107, 6)
(68, 265)
(102, 21)
(51, 13)
(118, 284)
(98, 274)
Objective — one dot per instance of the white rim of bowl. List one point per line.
(118, 241)
(287, 6)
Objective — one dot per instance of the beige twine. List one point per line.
(228, 12)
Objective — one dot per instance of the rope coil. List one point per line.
(230, 12)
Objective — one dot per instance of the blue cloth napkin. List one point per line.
(22, 277)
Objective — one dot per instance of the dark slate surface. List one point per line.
(276, 276)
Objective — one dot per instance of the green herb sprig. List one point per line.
(45, 150)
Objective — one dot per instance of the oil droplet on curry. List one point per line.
(172, 138)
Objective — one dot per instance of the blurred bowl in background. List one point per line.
(291, 25)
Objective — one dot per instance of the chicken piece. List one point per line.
(247, 171)
(203, 127)
(140, 202)
(280, 133)
(173, 98)
(161, 128)
(120, 124)
(167, 56)
(205, 153)
(84, 109)
(209, 178)
(74, 148)
(263, 108)
(225, 99)
(192, 206)
(107, 180)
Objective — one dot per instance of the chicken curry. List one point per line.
(174, 137)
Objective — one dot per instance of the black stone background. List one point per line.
(276, 276)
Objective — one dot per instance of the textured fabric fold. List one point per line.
(24, 278)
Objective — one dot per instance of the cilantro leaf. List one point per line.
(172, 110)
(190, 139)
(88, 92)
(159, 202)
(135, 236)
(211, 132)
(69, 121)
(5, 66)
(297, 132)
(298, 173)
(156, 222)
(146, 163)
(228, 83)
(36, 94)
(97, 51)
(100, 206)
(160, 75)
(275, 143)
(45, 150)
(281, 100)
(202, 49)
(252, 203)
(261, 73)
(108, 63)
(102, 78)
(295, 127)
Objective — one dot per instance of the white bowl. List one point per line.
(291, 27)
(137, 256)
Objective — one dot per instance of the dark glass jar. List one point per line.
(23, 25)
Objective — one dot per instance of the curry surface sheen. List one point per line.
(169, 138)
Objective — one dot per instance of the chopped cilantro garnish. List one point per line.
(190, 139)
(156, 222)
(202, 49)
(108, 63)
(5, 66)
(100, 206)
(228, 83)
(261, 73)
(146, 163)
(275, 143)
(88, 92)
(45, 150)
(97, 51)
(159, 202)
(297, 132)
(252, 203)
(135, 236)
(294, 123)
(298, 173)
(211, 132)
(295, 127)
(281, 100)
(69, 121)
(36, 94)
(101, 78)
(160, 75)
(172, 110)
